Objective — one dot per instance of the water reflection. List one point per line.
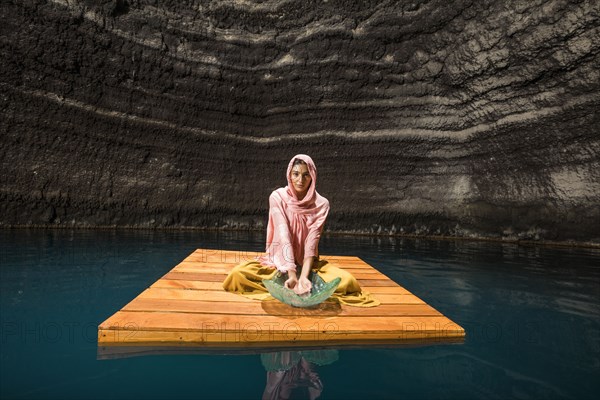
(292, 374)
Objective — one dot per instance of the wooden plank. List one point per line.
(223, 256)
(369, 286)
(225, 271)
(164, 293)
(221, 269)
(274, 307)
(226, 268)
(159, 321)
(185, 284)
(201, 285)
(228, 256)
(195, 276)
(376, 282)
(392, 289)
(260, 339)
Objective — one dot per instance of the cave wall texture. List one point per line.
(472, 118)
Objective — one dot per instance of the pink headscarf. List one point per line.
(295, 226)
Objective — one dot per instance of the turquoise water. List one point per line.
(532, 317)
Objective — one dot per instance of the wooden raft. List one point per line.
(188, 306)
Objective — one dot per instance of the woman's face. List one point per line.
(300, 179)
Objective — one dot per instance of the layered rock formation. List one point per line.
(466, 118)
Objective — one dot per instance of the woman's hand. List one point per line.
(303, 287)
(292, 280)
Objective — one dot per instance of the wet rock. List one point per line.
(458, 118)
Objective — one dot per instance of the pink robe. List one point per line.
(294, 226)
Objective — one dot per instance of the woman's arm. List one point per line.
(279, 247)
(307, 266)
(311, 252)
(311, 243)
(304, 285)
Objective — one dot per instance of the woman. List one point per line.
(297, 214)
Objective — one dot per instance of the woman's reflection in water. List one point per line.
(291, 374)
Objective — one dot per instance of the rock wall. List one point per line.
(461, 118)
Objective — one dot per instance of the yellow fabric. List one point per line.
(246, 279)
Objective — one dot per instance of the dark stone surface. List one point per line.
(460, 118)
